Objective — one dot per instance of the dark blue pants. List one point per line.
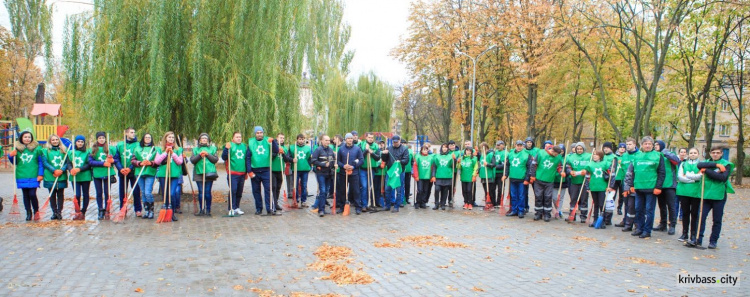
(718, 212)
(130, 179)
(209, 185)
(30, 200)
(301, 186)
(324, 186)
(237, 183)
(264, 178)
(364, 196)
(645, 204)
(102, 192)
(82, 194)
(516, 199)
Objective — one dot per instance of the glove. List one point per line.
(703, 170)
(503, 178)
(125, 171)
(459, 160)
(432, 180)
(110, 159)
(632, 190)
(525, 183)
(382, 165)
(39, 178)
(107, 164)
(270, 139)
(204, 154)
(721, 167)
(169, 150)
(251, 175)
(474, 179)
(146, 163)
(281, 150)
(13, 153)
(75, 171)
(57, 173)
(563, 175)
(657, 191)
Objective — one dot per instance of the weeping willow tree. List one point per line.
(364, 105)
(198, 65)
(31, 23)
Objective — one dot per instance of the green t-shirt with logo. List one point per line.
(517, 164)
(303, 156)
(546, 166)
(578, 162)
(143, 154)
(79, 159)
(597, 171)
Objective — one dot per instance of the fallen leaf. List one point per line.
(138, 290)
(238, 287)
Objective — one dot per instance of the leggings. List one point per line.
(56, 199)
(82, 190)
(467, 191)
(102, 190)
(30, 200)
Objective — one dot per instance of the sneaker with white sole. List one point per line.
(238, 211)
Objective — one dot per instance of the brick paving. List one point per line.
(222, 256)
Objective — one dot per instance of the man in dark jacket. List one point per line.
(323, 160)
(396, 153)
(349, 158)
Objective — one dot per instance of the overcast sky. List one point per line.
(376, 25)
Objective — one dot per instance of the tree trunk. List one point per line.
(531, 100)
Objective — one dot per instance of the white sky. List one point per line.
(376, 25)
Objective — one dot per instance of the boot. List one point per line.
(174, 217)
(101, 214)
(670, 230)
(537, 216)
(59, 215)
(683, 238)
(151, 212)
(208, 213)
(146, 210)
(547, 216)
(662, 227)
(28, 216)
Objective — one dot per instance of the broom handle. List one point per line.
(559, 189)
(169, 178)
(295, 178)
(15, 164)
(203, 197)
(136, 178)
(56, 178)
(164, 187)
(700, 209)
(109, 173)
(583, 185)
(270, 174)
(229, 175)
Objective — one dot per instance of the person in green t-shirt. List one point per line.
(421, 174)
(631, 149)
(169, 158)
(578, 189)
(689, 191)
(499, 154)
(518, 170)
(204, 172)
(102, 164)
(143, 162)
(717, 186)
(301, 155)
(262, 149)
(81, 173)
(469, 170)
(645, 177)
(442, 174)
(371, 152)
(544, 168)
(29, 170)
(122, 154)
(55, 165)
(599, 184)
(236, 156)
(487, 173)
(453, 149)
(666, 199)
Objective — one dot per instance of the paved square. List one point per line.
(222, 256)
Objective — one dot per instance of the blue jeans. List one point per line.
(394, 197)
(645, 204)
(235, 195)
(516, 200)
(82, 189)
(262, 178)
(324, 185)
(209, 185)
(146, 183)
(718, 212)
(363, 183)
(102, 192)
(302, 186)
(525, 196)
(174, 191)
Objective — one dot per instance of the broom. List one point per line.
(120, 217)
(346, 206)
(203, 197)
(600, 220)
(190, 179)
(230, 214)
(15, 212)
(487, 202)
(559, 189)
(371, 191)
(335, 178)
(382, 183)
(283, 181)
(572, 216)
(109, 183)
(165, 214)
(40, 213)
(270, 175)
(294, 191)
(507, 194)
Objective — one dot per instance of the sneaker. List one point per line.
(321, 214)
(238, 211)
(471, 207)
(466, 206)
(712, 245)
(683, 238)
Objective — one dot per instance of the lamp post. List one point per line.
(474, 85)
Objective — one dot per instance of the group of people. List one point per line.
(371, 176)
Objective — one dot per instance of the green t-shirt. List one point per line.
(669, 173)
(499, 158)
(79, 159)
(236, 156)
(468, 166)
(625, 160)
(56, 158)
(487, 172)
(210, 167)
(689, 189)
(715, 190)
(546, 166)
(125, 151)
(578, 162)
(517, 164)
(175, 171)
(443, 166)
(261, 152)
(27, 163)
(142, 154)
(278, 164)
(424, 166)
(597, 170)
(645, 165)
(368, 161)
(303, 156)
(101, 171)
(410, 163)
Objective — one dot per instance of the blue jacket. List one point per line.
(356, 158)
(29, 183)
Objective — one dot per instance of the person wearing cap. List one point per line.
(631, 149)
(204, 159)
(395, 155)
(123, 153)
(645, 177)
(542, 176)
(55, 179)
(530, 146)
(576, 163)
(81, 172)
(301, 155)
(518, 170)
(560, 185)
(143, 159)
(377, 179)
(259, 148)
(666, 199)
(29, 171)
(349, 158)
(499, 155)
(102, 164)
(355, 136)
(613, 160)
(371, 153)
(236, 156)
(324, 160)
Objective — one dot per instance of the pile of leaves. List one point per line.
(334, 260)
(431, 240)
(46, 224)
(387, 244)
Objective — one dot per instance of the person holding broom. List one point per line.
(544, 168)
(29, 171)
(599, 184)
(645, 177)
(81, 172)
(469, 168)
(349, 158)
(102, 164)
(499, 157)
(122, 156)
(371, 152)
(578, 189)
(204, 172)
(143, 162)
(260, 150)
(397, 154)
(442, 175)
(278, 168)
(561, 183)
(689, 193)
(324, 161)
(518, 169)
(301, 156)
(422, 175)
(236, 157)
(716, 172)
(55, 180)
(170, 156)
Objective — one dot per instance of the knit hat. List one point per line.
(529, 139)
(608, 144)
(80, 137)
(581, 144)
(258, 129)
(101, 134)
(499, 142)
(621, 145)
(204, 134)
(451, 142)
(519, 142)
(354, 132)
(348, 135)
(662, 145)
(547, 142)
